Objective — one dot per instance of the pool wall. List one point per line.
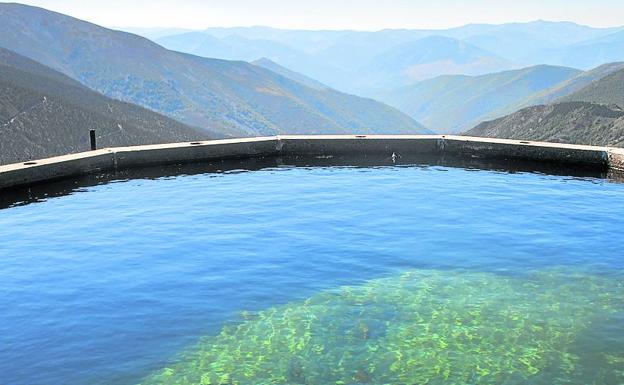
(38, 171)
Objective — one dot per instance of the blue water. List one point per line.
(108, 284)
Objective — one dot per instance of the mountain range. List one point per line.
(231, 98)
(397, 58)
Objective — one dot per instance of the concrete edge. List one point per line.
(43, 170)
(65, 166)
(616, 159)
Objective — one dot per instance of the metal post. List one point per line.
(92, 136)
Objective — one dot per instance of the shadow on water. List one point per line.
(40, 192)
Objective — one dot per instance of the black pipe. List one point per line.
(92, 136)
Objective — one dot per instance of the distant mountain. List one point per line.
(357, 62)
(45, 113)
(292, 75)
(314, 40)
(606, 90)
(347, 59)
(193, 41)
(557, 32)
(572, 122)
(453, 104)
(529, 43)
(429, 57)
(513, 41)
(249, 47)
(590, 53)
(228, 48)
(230, 98)
(154, 33)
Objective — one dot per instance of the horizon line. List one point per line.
(321, 29)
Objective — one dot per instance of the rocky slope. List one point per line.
(44, 113)
(571, 122)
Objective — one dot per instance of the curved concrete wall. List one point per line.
(600, 158)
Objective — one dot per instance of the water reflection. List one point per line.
(41, 192)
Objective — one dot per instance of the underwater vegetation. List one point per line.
(423, 327)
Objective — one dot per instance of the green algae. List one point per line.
(423, 327)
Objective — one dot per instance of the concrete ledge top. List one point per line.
(113, 150)
(616, 150)
(86, 162)
(528, 143)
(54, 160)
(199, 143)
(472, 139)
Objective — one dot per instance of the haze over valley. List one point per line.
(366, 62)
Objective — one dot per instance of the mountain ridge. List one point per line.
(338, 57)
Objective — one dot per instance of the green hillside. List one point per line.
(426, 58)
(607, 90)
(569, 86)
(451, 104)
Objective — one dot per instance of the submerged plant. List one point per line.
(423, 327)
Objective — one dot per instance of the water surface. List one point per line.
(138, 281)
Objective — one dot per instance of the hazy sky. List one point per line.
(335, 14)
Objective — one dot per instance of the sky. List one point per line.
(335, 14)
